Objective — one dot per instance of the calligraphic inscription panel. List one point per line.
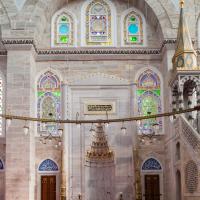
(99, 107)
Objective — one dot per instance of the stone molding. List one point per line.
(89, 50)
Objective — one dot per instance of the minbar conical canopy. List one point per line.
(185, 56)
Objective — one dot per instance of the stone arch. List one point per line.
(48, 165)
(190, 78)
(178, 185)
(10, 7)
(43, 71)
(98, 78)
(151, 164)
(159, 15)
(1, 165)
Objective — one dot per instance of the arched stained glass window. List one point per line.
(1, 105)
(133, 29)
(64, 30)
(151, 164)
(1, 165)
(49, 100)
(149, 100)
(48, 165)
(98, 23)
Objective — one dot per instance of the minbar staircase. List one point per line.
(189, 137)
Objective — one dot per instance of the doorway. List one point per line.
(152, 187)
(178, 185)
(48, 187)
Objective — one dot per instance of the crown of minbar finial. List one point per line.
(182, 2)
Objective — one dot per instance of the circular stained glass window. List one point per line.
(64, 29)
(133, 28)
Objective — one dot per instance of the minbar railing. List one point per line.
(190, 135)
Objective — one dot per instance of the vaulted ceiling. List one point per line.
(159, 13)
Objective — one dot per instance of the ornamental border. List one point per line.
(89, 50)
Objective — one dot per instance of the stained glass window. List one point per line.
(133, 29)
(149, 100)
(1, 106)
(64, 30)
(1, 165)
(49, 100)
(151, 164)
(98, 23)
(48, 165)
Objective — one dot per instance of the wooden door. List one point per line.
(152, 187)
(48, 187)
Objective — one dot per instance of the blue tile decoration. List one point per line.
(1, 165)
(48, 165)
(151, 164)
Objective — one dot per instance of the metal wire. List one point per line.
(76, 121)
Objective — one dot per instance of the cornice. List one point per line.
(98, 51)
(20, 43)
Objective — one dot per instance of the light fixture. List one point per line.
(156, 127)
(79, 196)
(120, 196)
(8, 122)
(43, 125)
(50, 135)
(150, 132)
(60, 132)
(60, 143)
(50, 140)
(92, 130)
(26, 129)
(107, 124)
(138, 122)
(123, 129)
(171, 118)
(78, 125)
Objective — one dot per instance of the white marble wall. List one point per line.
(79, 139)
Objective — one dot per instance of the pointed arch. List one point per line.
(48, 165)
(63, 29)
(48, 100)
(134, 28)
(151, 164)
(1, 165)
(149, 99)
(98, 27)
